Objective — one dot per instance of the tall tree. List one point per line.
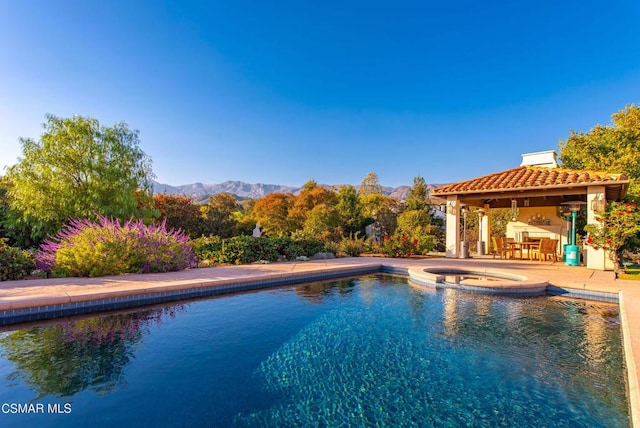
(350, 211)
(370, 185)
(323, 222)
(371, 197)
(245, 218)
(78, 168)
(272, 212)
(614, 148)
(386, 217)
(219, 215)
(310, 196)
(418, 194)
(179, 212)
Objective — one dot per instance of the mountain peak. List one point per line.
(202, 192)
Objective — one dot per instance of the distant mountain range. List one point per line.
(201, 192)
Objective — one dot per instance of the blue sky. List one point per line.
(283, 92)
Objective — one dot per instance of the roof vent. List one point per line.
(546, 159)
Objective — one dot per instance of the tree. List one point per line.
(371, 197)
(4, 207)
(219, 215)
(370, 185)
(386, 217)
(322, 222)
(410, 220)
(311, 196)
(617, 224)
(614, 148)
(179, 212)
(77, 169)
(272, 212)
(417, 224)
(350, 211)
(500, 217)
(245, 219)
(418, 195)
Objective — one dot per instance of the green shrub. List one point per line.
(426, 243)
(352, 247)
(207, 247)
(332, 247)
(311, 246)
(14, 262)
(247, 249)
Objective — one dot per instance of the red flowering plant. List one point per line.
(399, 246)
(616, 224)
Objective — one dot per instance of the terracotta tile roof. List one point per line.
(530, 177)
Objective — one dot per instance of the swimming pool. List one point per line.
(365, 351)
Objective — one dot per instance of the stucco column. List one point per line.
(453, 227)
(596, 259)
(486, 229)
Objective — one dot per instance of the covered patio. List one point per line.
(534, 192)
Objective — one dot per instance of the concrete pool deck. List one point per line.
(30, 298)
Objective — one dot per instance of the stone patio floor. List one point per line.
(39, 292)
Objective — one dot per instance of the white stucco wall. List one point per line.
(556, 229)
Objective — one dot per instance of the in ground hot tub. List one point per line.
(488, 282)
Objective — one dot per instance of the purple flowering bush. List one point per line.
(106, 247)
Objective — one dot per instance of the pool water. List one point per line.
(370, 351)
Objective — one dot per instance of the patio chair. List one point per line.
(500, 247)
(548, 247)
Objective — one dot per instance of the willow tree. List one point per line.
(77, 168)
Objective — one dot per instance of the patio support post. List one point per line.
(596, 259)
(486, 229)
(453, 227)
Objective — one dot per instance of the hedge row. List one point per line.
(247, 249)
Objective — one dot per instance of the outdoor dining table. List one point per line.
(520, 246)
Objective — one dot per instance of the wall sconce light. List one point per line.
(598, 203)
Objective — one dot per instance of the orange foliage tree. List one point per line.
(179, 212)
(272, 212)
(310, 197)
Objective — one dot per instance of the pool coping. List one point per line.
(133, 291)
(69, 304)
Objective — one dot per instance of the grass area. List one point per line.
(632, 273)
